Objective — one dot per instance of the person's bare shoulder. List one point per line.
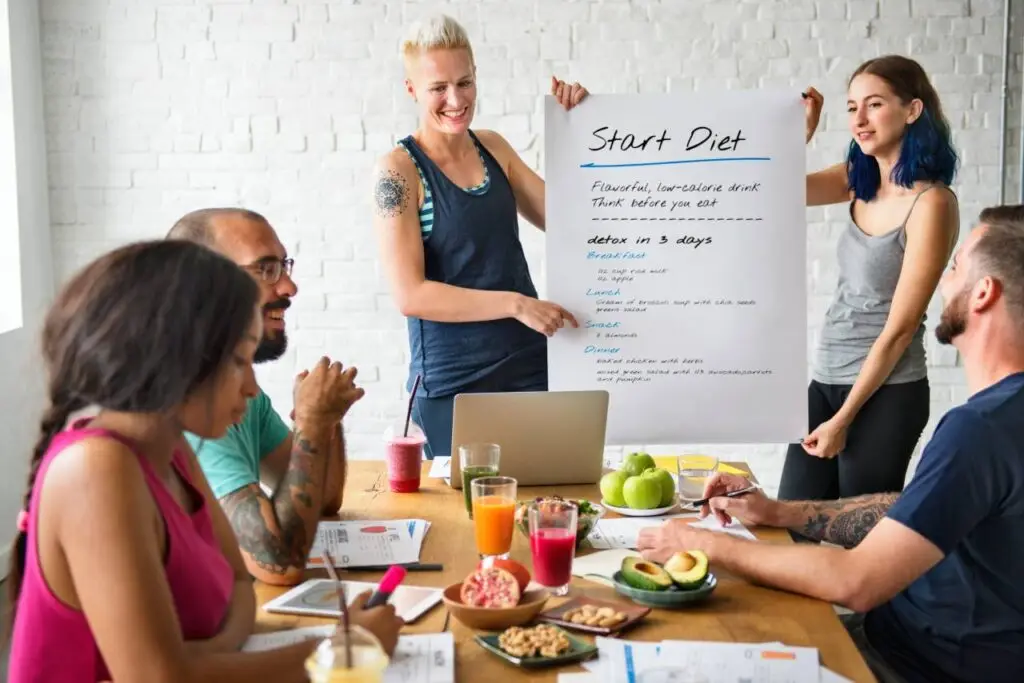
(396, 185)
(97, 471)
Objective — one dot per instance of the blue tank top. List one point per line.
(473, 242)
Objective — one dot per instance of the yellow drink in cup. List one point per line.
(327, 663)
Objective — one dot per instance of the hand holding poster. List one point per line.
(676, 236)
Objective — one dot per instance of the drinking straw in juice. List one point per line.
(493, 522)
(552, 551)
(468, 475)
(327, 663)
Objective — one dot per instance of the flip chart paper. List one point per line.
(676, 234)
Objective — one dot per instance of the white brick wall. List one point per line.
(156, 107)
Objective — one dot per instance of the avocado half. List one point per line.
(688, 569)
(645, 575)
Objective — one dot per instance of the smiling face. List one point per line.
(254, 246)
(443, 84)
(877, 116)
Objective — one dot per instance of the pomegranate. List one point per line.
(490, 587)
(521, 573)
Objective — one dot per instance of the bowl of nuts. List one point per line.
(600, 617)
(537, 646)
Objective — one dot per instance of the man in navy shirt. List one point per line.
(935, 573)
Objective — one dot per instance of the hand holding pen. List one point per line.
(730, 495)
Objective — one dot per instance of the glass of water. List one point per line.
(692, 473)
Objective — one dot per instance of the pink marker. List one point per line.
(394, 576)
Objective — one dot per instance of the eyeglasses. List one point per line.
(271, 269)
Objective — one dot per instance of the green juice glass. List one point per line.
(477, 460)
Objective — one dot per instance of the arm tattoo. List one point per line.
(277, 533)
(844, 522)
(390, 194)
(252, 517)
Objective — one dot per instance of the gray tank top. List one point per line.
(869, 268)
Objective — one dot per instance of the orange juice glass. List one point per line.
(494, 505)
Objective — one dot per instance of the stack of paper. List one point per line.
(426, 658)
(622, 532)
(360, 543)
(709, 662)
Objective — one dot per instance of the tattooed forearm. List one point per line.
(844, 522)
(276, 533)
(390, 194)
(259, 534)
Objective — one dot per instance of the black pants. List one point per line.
(879, 443)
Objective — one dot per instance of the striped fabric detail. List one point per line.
(427, 210)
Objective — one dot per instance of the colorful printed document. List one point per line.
(368, 543)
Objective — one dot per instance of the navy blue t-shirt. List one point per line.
(963, 620)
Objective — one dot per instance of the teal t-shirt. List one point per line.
(233, 461)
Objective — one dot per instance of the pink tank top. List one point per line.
(52, 642)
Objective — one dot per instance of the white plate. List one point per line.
(630, 512)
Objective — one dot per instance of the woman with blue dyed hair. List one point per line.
(869, 393)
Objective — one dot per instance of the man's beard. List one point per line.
(953, 321)
(272, 348)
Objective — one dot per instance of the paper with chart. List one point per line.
(428, 658)
(622, 532)
(368, 543)
(676, 236)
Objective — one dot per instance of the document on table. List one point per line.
(258, 642)
(428, 658)
(440, 468)
(622, 532)
(368, 543)
(709, 662)
(602, 565)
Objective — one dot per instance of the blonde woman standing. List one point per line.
(446, 201)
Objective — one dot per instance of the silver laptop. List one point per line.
(546, 437)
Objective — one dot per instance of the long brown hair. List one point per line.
(136, 330)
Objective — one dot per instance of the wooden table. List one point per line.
(737, 612)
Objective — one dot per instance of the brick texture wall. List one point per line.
(157, 107)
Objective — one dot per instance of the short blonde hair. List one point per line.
(438, 32)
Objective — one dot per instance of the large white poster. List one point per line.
(676, 235)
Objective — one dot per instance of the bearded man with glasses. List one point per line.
(274, 483)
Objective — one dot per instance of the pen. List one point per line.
(730, 494)
(387, 586)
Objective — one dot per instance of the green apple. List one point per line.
(611, 488)
(635, 463)
(642, 493)
(666, 482)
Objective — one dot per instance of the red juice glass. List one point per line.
(553, 543)
(404, 457)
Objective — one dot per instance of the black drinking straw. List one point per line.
(408, 410)
(329, 564)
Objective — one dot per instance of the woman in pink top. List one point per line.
(125, 567)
